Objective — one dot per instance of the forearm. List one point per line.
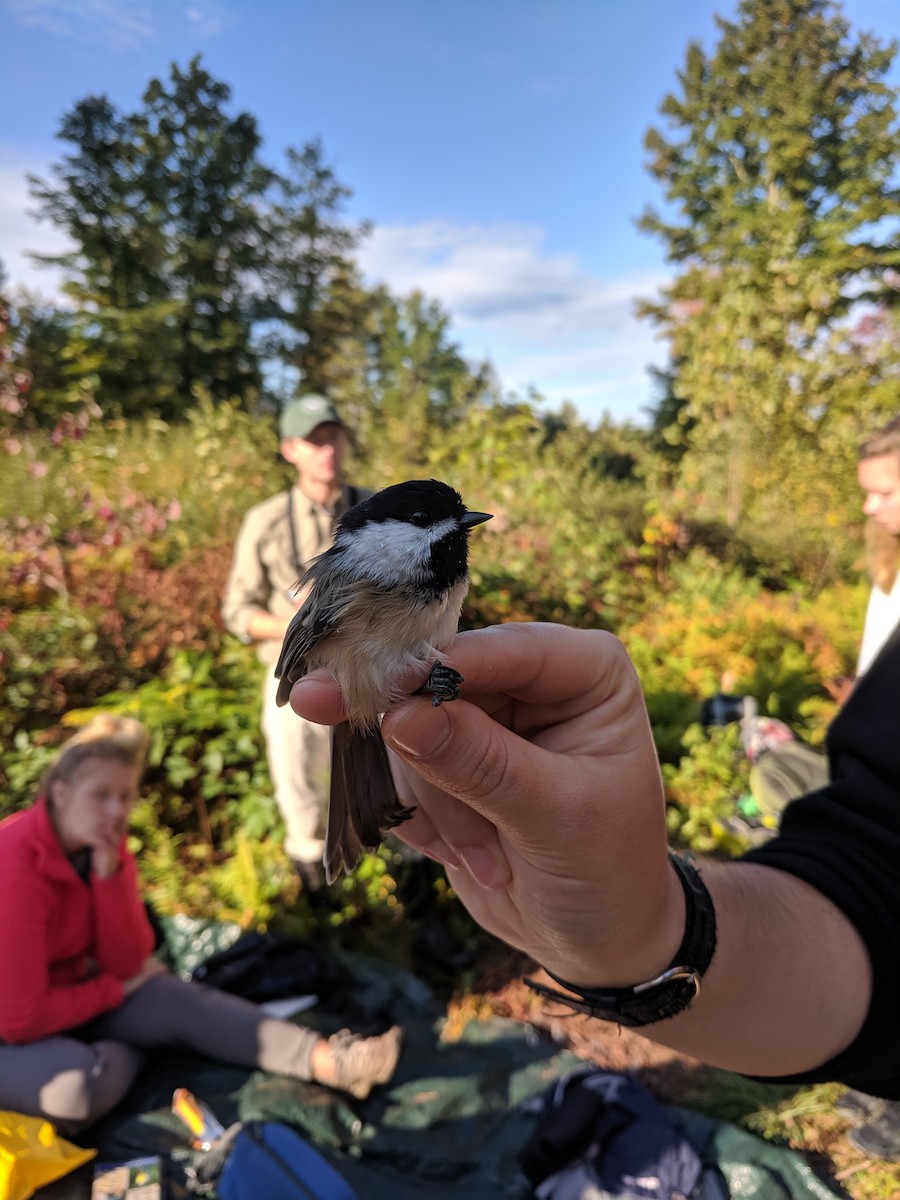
(789, 985)
(124, 937)
(35, 1012)
(539, 791)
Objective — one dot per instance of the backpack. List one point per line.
(601, 1133)
(783, 773)
(265, 1160)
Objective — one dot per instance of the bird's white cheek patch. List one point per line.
(391, 552)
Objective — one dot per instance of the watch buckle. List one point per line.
(673, 975)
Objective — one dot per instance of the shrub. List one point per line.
(115, 540)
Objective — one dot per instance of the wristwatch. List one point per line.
(670, 992)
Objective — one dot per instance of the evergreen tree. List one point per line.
(780, 173)
(47, 351)
(313, 304)
(162, 207)
(418, 381)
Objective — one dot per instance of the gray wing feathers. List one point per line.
(309, 625)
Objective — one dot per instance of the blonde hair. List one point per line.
(120, 739)
(882, 546)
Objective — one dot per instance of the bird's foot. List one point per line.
(443, 683)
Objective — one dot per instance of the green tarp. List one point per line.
(451, 1123)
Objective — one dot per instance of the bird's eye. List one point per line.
(421, 517)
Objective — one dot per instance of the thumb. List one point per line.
(462, 751)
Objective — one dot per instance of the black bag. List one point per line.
(261, 967)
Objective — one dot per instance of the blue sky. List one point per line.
(496, 145)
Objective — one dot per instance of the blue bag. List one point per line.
(270, 1161)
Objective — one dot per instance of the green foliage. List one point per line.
(161, 206)
(197, 268)
(247, 886)
(195, 265)
(716, 630)
(702, 790)
(770, 646)
(50, 659)
(314, 306)
(206, 774)
(114, 560)
(779, 168)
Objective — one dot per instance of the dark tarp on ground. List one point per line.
(451, 1123)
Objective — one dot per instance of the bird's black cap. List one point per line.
(417, 501)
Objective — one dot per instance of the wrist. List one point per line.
(650, 925)
(666, 992)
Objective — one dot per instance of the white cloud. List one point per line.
(541, 318)
(21, 233)
(119, 26)
(207, 19)
(113, 25)
(494, 274)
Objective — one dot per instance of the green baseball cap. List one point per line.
(301, 416)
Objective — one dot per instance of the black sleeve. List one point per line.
(844, 840)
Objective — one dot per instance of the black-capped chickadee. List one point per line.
(384, 600)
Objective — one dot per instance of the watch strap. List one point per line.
(670, 992)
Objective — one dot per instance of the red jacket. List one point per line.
(65, 945)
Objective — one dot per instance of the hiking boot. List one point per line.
(880, 1136)
(361, 1063)
(857, 1106)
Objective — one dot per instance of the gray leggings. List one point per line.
(74, 1078)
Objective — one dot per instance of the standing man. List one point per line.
(277, 539)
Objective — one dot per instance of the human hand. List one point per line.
(150, 967)
(105, 857)
(540, 792)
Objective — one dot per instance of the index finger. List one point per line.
(540, 664)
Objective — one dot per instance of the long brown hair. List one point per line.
(121, 739)
(882, 546)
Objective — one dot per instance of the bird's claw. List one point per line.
(443, 683)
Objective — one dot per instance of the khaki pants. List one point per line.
(299, 756)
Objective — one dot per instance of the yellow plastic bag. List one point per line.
(32, 1154)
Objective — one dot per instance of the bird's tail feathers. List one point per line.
(364, 803)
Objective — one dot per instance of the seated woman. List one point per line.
(81, 997)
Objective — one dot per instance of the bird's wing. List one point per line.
(310, 624)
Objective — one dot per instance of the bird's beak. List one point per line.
(473, 518)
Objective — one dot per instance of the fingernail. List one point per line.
(441, 852)
(419, 730)
(487, 871)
